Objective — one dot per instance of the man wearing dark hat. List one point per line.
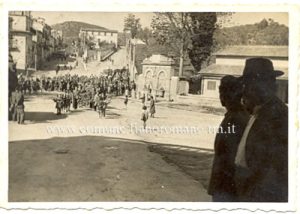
(262, 156)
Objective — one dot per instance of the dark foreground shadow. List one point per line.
(42, 117)
(112, 115)
(96, 168)
(193, 161)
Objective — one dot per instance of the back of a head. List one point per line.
(230, 90)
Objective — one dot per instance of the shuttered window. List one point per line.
(211, 85)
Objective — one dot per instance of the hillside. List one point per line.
(266, 32)
(70, 29)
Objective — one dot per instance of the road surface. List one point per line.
(72, 157)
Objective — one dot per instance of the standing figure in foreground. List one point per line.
(126, 101)
(68, 101)
(145, 116)
(222, 186)
(262, 156)
(75, 98)
(58, 104)
(17, 104)
(152, 107)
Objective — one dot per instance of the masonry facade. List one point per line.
(159, 78)
(231, 61)
(100, 35)
(31, 40)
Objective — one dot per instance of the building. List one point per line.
(37, 39)
(48, 49)
(160, 78)
(10, 35)
(30, 40)
(21, 46)
(98, 35)
(45, 41)
(58, 39)
(231, 61)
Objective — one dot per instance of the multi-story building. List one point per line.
(10, 36)
(57, 35)
(31, 40)
(38, 39)
(99, 35)
(21, 45)
(47, 40)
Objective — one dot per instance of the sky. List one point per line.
(115, 20)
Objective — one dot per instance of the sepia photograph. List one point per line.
(148, 107)
(153, 106)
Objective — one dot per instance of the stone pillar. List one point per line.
(174, 82)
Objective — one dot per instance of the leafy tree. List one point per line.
(189, 35)
(173, 30)
(144, 34)
(132, 24)
(203, 28)
(262, 25)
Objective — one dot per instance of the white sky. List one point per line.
(115, 20)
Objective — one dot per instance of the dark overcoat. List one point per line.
(225, 146)
(266, 153)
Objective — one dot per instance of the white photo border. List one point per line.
(291, 7)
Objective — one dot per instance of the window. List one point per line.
(104, 33)
(211, 85)
(112, 34)
(14, 42)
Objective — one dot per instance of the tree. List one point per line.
(203, 28)
(144, 34)
(172, 29)
(190, 34)
(132, 24)
(262, 25)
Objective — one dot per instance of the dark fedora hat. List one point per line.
(259, 68)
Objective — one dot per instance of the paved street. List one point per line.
(92, 68)
(72, 157)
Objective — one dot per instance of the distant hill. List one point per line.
(265, 32)
(70, 29)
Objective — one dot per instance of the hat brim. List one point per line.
(275, 73)
(278, 73)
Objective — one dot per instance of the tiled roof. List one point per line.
(99, 30)
(255, 50)
(235, 70)
(158, 59)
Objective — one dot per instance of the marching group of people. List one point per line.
(93, 91)
(78, 91)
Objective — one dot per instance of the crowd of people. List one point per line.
(83, 87)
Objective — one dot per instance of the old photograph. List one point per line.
(148, 106)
